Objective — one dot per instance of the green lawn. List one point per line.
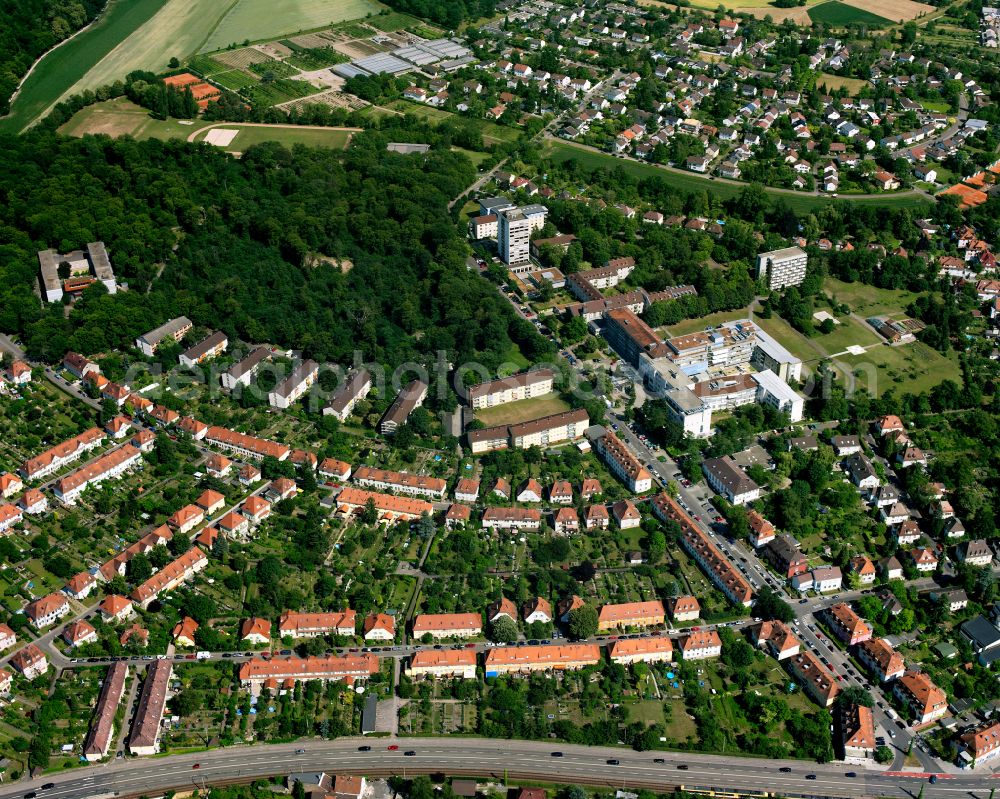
(560, 151)
(913, 368)
(334, 138)
(837, 13)
(867, 300)
(257, 20)
(64, 66)
(492, 133)
(522, 411)
(845, 334)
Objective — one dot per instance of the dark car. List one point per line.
(785, 770)
(196, 765)
(682, 767)
(286, 651)
(933, 779)
(30, 795)
(364, 748)
(659, 760)
(409, 753)
(556, 754)
(300, 751)
(810, 776)
(613, 762)
(851, 774)
(48, 785)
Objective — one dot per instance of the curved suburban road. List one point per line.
(486, 758)
(890, 196)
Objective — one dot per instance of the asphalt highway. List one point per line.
(490, 759)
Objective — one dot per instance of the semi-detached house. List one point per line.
(390, 509)
(512, 519)
(631, 614)
(246, 446)
(63, 454)
(444, 663)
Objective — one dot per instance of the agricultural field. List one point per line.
(893, 10)
(264, 19)
(63, 67)
(839, 14)
(522, 410)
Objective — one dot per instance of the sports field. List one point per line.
(247, 136)
(522, 411)
(589, 159)
(265, 19)
(64, 66)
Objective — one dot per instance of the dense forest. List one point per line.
(450, 13)
(30, 27)
(318, 250)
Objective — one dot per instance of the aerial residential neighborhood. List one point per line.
(503, 398)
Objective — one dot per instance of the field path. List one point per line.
(198, 132)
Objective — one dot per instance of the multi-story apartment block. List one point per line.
(627, 651)
(701, 645)
(781, 268)
(256, 673)
(313, 625)
(108, 467)
(174, 330)
(175, 573)
(407, 400)
(355, 389)
(85, 267)
(512, 519)
(543, 432)
(730, 481)
(526, 659)
(979, 745)
(447, 625)
(246, 446)
(414, 485)
(99, 737)
(525, 385)
(146, 727)
(449, 664)
(620, 460)
(631, 337)
(390, 509)
(848, 626)
(514, 240)
(814, 678)
(61, 455)
(209, 347)
(289, 390)
(47, 610)
(881, 659)
(926, 700)
(631, 614)
(242, 372)
(697, 543)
